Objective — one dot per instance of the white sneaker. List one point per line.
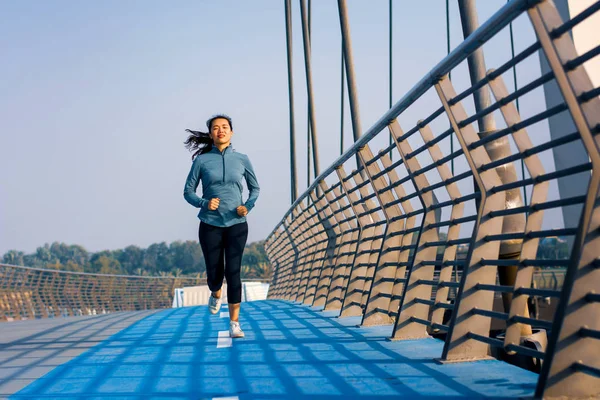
(214, 304)
(234, 330)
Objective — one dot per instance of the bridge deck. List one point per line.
(290, 351)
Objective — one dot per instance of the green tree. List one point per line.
(264, 271)
(14, 257)
(107, 265)
(73, 266)
(55, 265)
(187, 256)
(180, 258)
(131, 258)
(156, 258)
(247, 272)
(44, 256)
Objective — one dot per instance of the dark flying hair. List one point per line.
(200, 142)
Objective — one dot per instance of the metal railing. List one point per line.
(381, 241)
(30, 293)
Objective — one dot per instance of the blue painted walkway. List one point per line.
(290, 351)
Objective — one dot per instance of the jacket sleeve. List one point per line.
(191, 184)
(252, 183)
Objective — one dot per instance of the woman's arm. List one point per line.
(191, 184)
(252, 183)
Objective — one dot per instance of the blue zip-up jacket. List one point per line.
(221, 174)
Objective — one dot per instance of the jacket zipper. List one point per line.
(223, 155)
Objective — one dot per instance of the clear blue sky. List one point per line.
(96, 97)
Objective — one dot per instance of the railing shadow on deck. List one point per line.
(289, 351)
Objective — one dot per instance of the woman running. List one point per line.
(223, 228)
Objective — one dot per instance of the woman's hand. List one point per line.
(242, 211)
(213, 204)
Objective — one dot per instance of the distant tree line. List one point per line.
(184, 258)
(159, 259)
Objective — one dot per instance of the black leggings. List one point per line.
(223, 249)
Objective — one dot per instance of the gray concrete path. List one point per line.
(30, 349)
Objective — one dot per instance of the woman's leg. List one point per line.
(212, 243)
(235, 241)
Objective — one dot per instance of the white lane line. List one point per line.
(225, 314)
(226, 398)
(224, 340)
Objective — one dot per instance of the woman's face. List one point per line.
(220, 131)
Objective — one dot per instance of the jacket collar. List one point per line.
(227, 149)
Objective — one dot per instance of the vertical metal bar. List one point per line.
(342, 104)
(352, 254)
(405, 327)
(449, 75)
(458, 345)
(290, 260)
(571, 154)
(567, 348)
(497, 149)
(288, 229)
(307, 242)
(320, 236)
(334, 232)
(274, 264)
(39, 298)
(514, 68)
(309, 87)
(349, 61)
(406, 254)
(51, 294)
(469, 22)
(308, 143)
(457, 210)
(321, 260)
(278, 242)
(291, 228)
(16, 279)
(354, 291)
(273, 287)
(345, 255)
(380, 293)
(308, 116)
(288, 34)
(13, 306)
(524, 274)
(391, 71)
(311, 240)
(303, 244)
(379, 233)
